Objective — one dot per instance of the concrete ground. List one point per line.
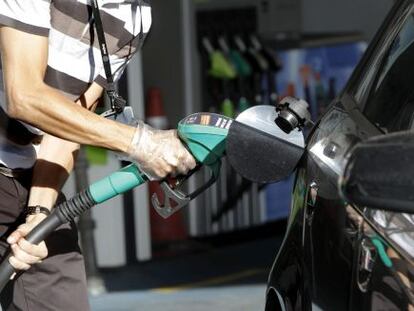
(226, 279)
(227, 298)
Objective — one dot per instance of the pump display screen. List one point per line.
(208, 119)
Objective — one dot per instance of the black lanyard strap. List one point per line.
(117, 102)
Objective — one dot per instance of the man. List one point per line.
(50, 59)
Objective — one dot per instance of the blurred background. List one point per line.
(221, 56)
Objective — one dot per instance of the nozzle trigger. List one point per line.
(174, 200)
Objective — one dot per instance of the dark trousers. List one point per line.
(58, 283)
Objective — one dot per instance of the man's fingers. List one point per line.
(156, 173)
(179, 158)
(14, 237)
(25, 254)
(24, 257)
(182, 168)
(17, 264)
(186, 163)
(20, 232)
(167, 168)
(189, 160)
(162, 169)
(35, 250)
(171, 159)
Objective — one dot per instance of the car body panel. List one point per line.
(337, 256)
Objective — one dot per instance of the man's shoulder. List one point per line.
(116, 15)
(31, 16)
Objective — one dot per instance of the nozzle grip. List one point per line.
(117, 183)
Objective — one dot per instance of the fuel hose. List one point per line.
(100, 191)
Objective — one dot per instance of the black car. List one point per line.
(341, 254)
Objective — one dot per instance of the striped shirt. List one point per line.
(74, 57)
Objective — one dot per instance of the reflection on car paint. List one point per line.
(399, 277)
(398, 227)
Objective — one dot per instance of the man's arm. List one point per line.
(55, 162)
(29, 99)
(56, 159)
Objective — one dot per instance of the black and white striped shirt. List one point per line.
(74, 57)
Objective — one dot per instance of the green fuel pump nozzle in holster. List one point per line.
(204, 134)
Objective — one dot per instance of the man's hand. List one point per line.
(160, 153)
(26, 254)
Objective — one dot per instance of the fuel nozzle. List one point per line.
(292, 113)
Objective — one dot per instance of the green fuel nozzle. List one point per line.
(204, 134)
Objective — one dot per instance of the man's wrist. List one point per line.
(133, 146)
(36, 210)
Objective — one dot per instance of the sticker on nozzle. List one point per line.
(209, 119)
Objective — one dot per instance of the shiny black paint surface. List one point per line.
(337, 256)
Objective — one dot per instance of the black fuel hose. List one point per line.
(63, 213)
